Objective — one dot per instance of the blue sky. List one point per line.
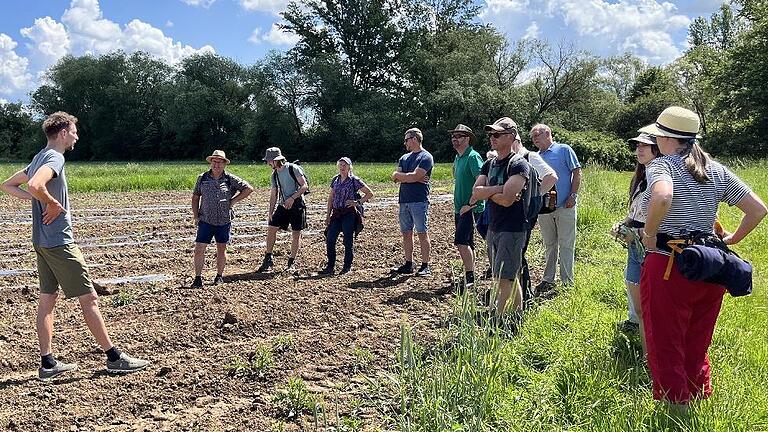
(34, 34)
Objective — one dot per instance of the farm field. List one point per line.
(364, 351)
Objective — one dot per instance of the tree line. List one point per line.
(364, 71)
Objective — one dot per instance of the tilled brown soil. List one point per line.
(192, 335)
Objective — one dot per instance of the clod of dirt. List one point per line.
(229, 318)
(25, 291)
(165, 370)
(9, 301)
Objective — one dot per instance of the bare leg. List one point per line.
(408, 245)
(90, 305)
(467, 257)
(295, 243)
(221, 257)
(507, 289)
(424, 245)
(45, 321)
(271, 237)
(199, 258)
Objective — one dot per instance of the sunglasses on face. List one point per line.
(458, 136)
(498, 135)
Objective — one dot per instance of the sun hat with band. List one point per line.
(466, 130)
(675, 122)
(217, 154)
(346, 160)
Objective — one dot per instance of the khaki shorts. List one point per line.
(63, 266)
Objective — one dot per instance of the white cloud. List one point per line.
(275, 36)
(203, 3)
(50, 42)
(273, 6)
(532, 32)
(14, 77)
(169, 23)
(91, 33)
(255, 36)
(601, 26)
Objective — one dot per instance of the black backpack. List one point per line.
(530, 194)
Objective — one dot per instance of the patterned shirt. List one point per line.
(694, 205)
(215, 196)
(345, 190)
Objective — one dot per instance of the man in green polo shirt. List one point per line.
(466, 167)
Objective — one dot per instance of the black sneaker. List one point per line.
(488, 273)
(126, 364)
(345, 270)
(266, 266)
(219, 279)
(424, 270)
(197, 283)
(469, 280)
(327, 271)
(57, 369)
(544, 287)
(406, 268)
(291, 267)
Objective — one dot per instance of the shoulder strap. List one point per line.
(293, 174)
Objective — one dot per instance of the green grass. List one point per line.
(155, 176)
(569, 368)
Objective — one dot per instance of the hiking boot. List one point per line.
(291, 267)
(126, 364)
(345, 270)
(266, 265)
(406, 268)
(544, 287)
(327, 271)
(219, 279)
(197, 283)
(424, 270)
(57, 369)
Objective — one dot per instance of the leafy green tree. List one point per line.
(20, 134)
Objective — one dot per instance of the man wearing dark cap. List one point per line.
(288, 185)
(466, 168)
(501, 181)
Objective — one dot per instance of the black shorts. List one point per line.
(296, 217)
(465, 229)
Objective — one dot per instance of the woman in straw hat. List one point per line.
(629, 230)
(684, 189)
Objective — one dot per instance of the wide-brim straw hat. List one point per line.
(460, 128)
(218, 154)
(675, 122)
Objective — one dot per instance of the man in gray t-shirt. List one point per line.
(288, 185)
(59, 261)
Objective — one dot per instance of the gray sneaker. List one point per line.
(126, 364)
(58, 369)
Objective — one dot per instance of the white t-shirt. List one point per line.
(537, 162)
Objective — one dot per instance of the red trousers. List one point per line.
(679, 317)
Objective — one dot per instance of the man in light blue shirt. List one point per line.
(558, 229)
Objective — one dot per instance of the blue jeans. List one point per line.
(346, 224)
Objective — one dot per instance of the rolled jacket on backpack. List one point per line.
(710, 264)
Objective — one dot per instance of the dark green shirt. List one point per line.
(466, 168)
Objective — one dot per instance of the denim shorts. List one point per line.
(206, 232)
(414, 217)
(634, 262)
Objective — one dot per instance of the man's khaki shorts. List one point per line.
(63, 266)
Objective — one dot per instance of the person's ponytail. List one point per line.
(696, 161)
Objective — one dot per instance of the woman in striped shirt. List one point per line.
(685, 187)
